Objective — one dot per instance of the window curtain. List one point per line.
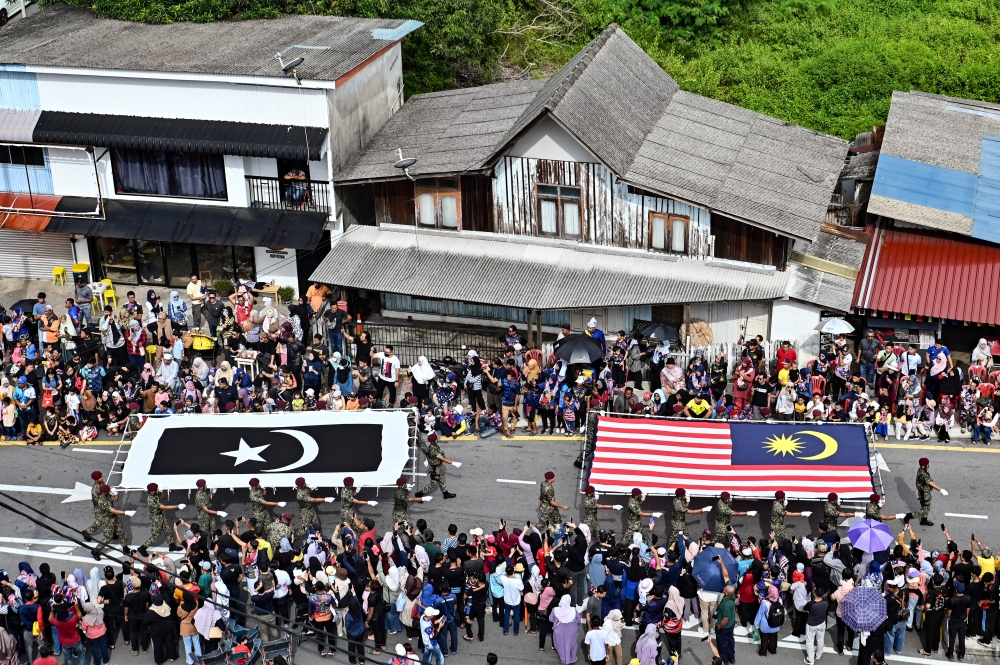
(159, 173)
(549, 217)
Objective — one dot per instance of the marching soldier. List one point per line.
(678, 519)
(548, 508)
(305, 499)
(633, 522)
(258, 503)
(157, 524)
(95, 499)
(206, 516)
(401, 505)
(111, 522)
(278, 529)
(831, 510)
(723, 516)
(436, 460)
(590, 508)
(874, 512)
(925, 487)
(347, 503)
(778, 515)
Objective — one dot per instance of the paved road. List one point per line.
(482, 500)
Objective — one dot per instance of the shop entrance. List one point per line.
(169, 264)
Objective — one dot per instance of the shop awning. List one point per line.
(531, 272)
(924, 273)
(200, 136)
(210, 225)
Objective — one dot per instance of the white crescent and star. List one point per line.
(247, 453)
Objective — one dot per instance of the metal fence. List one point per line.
(409, 341)
(280, 194)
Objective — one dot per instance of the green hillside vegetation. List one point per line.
(830, 65)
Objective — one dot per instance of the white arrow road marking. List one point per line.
(79, 493)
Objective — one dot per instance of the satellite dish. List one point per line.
(287, 67)
(405, 163)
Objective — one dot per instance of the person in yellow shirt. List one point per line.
(697, 407)
(986, 561)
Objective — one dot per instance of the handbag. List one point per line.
(400, 602)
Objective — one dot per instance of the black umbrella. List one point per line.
(660, 331)
(578, 348)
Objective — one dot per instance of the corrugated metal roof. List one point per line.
(927, 274)
(861, 167)
(211, 137)
(825, 287)
(16, 126)
(66, 36)
(531, 273)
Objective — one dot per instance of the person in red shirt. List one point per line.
(786, 355)
(45, 657)
(64, 617)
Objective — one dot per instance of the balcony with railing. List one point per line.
(285, 194)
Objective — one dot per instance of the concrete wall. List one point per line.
(548, 140)
(795, 320)
(362, 103)
(278, 265)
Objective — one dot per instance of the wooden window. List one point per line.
(559, 211)
(438, 203)
(668, 233)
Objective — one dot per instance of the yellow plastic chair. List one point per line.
(151, 353)
(109, 293)
(59, 275)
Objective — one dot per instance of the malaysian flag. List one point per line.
(806, 460)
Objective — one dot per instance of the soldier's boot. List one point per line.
(87, 538)
(907, 517)
(174, 547)
(926, 522)
(142, 550)
(96, 553)
(449, 495)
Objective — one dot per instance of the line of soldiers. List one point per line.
(548, 509)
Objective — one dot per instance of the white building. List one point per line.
(152, 152)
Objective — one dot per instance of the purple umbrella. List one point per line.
(870, 536)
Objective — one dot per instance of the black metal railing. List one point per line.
(411, 341)
(288, 194)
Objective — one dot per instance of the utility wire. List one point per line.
(150, 565)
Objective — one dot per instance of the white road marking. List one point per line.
(63, 549)
(971, 517)
(50, 556)
(93, 450)
(54, 543)
(79, 493)
(518, 482)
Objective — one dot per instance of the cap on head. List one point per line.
(349, 481)
(105, 489)
(779, 495)
(299, 482)
(636, 491)
(923, 461)
(589, 489)
(432, 437)
(254, 482)
(400, 481)
(725, 496)
(96, 475)
(680, 492)
(832, 496)
(400, 650)
(152, 487)
(549, 475)
(286, 516)
(874, 498)
(201, 483)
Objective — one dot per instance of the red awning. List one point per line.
(917, 272)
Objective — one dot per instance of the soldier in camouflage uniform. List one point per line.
(778, 515)
(633, 521)
(925, 492)
(95, 499)
(590, 508)
(276, 530)
(436, 461)
(206, 516)
(111, 522)
(678, 518)
(348, 501)
(831, 511)
(258, 505)
(157, 523)
(723, 516)
(400, 507)
(874, 512)
(548, 508)
(305, 499)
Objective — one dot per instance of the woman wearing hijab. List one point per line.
(96, 633)
(743, 380)
(8, 649)
(647, 648)
(186, 613)
(422, 374)
(343, 375)
(768, 635)
(229, 331)
(200, 369)
(612, 628)
(565, 631)
(981, 355)
(159, 624)
(177, 311)
(136, 345)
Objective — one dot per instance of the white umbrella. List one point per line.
(836, 327)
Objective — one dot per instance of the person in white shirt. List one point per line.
(196, 294)
(909, 362)
(388, 374)
(512, 588)
(596, 642)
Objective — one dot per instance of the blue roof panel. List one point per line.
(926, 185)
(986, 220)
